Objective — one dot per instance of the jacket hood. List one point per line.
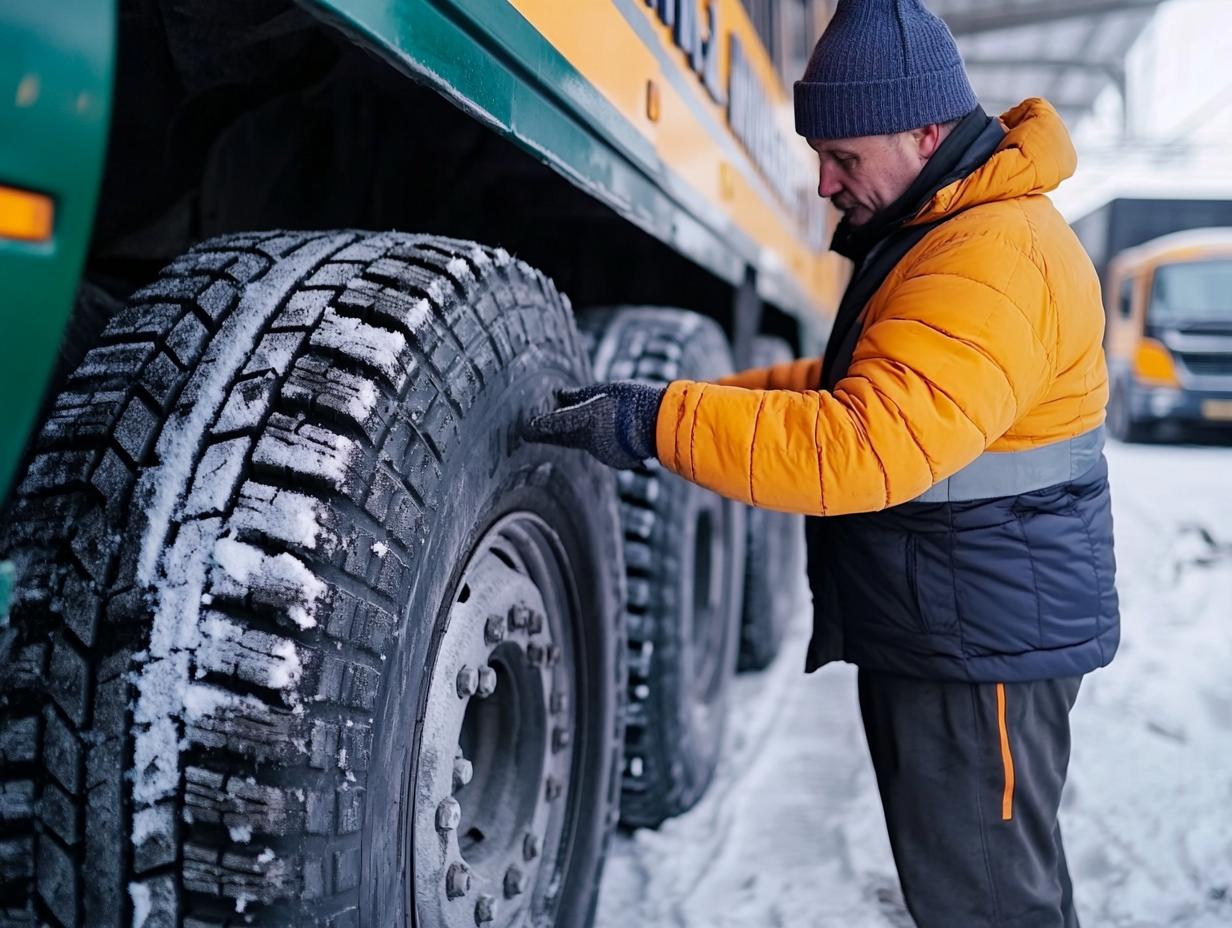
(1033, 158)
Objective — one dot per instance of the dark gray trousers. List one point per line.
(970, 776)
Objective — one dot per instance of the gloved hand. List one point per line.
(613, 421)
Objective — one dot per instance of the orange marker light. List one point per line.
(653, 106)
(1153, 364)
(24, 215)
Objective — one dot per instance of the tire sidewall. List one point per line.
(501, 474)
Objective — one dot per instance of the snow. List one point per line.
(149, 823)
(240, 834)
(176, 574)
(380, 549)
(457, 267)
(313, 452)
(241, 566)
(381, 348)
(227, 352)
(791, 832)
(283, 514)
(142, 904)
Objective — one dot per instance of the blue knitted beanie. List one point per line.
(881, 66)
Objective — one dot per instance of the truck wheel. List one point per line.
(305, 634)
(774, 563)
(684, 552)
(1121, 422)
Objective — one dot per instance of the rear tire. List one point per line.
(684, 550)
(281, 553)
(774, 572)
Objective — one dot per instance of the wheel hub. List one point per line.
(497, 740)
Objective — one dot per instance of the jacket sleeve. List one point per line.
(801, 374)
(961, 347)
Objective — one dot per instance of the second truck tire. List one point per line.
(684, 551)
(304, 633)
(774, 575)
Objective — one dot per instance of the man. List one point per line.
(950, 444)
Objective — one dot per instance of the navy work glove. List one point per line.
(613, 421)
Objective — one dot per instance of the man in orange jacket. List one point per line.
(949, 447)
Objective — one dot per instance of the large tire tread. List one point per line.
(654, 344)
(265, 818)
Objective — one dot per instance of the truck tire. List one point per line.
(1121, 422)
(304, 633)
(684, 555)
(774, 575)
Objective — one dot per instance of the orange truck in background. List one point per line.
(1169, 337)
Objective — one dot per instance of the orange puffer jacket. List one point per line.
(985, 337)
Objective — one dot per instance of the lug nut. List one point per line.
(560, 739)
(468, 681)
(485, 909)
(487, 682)
(558, 702)
(448, 814)
(530, 847)
(515, 882)
(535, 654)
(457, 881)
(494, 630)
(518, 617)
(553, 655)
(534, 623)
(553, 788)
(463, 770)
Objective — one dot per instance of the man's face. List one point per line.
(867, 173)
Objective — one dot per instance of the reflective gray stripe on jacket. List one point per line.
(1011, 473)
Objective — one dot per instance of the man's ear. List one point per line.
(928, 140)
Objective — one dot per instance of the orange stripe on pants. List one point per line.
(1007, 759)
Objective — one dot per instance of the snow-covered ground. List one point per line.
(791, 833)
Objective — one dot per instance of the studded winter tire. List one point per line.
(305, 634)
(774, 575)
(684, 551)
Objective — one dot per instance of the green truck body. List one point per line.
(56, 65)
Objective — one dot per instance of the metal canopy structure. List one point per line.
(1067, 51)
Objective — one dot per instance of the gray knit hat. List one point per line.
(881, 66)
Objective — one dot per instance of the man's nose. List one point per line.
(827, 184)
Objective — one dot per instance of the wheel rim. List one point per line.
(491, 803)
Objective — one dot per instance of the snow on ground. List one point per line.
(791, 832)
